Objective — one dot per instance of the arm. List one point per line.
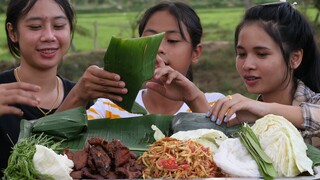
(17, 93)
(249, 110)
(94, 83)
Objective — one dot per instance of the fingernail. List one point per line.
(207, 114)
(218, 121)
(212, 118)
(225, 119)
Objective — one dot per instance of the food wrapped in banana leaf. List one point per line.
(192, 121)
(134, 132)
(63, 125)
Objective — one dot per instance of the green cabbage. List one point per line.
(283, 143)
(210, 138)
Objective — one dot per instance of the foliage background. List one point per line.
(98, 20)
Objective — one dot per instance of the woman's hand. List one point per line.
(17, 93)
(175, 86)
(246, 110)
(95, 83)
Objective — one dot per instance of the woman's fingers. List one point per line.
(218, 110)
(20, 85)
(18, 96)
(233, 122)
(10, 110)
(17, 93)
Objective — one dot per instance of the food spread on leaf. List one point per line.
(173, 158)
(270, 148)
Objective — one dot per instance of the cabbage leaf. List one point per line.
(283, 143)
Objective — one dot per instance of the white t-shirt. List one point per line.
(104, 108)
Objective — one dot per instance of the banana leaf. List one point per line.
(134, 60)
(135, 132)
(314, 154)
(61, 125)
(192, 121)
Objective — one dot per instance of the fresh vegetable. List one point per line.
(157, 133)
(49, 162)
(283, 143)
(134, 60)
(252, 144)
(207, 137)
(170, 158)
(233, 158)
(20, 165)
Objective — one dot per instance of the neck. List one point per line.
(44, 78)
(158, 104)
(50, 94)
(281, 96)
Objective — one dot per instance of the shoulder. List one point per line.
(7, 76)
(305, 94)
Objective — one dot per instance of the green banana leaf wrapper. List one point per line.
(192, 121)
(134, 60)
(64, 125)
(136, 132)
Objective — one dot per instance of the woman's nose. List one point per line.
(48, 35)
(249, 63)
(161, 49)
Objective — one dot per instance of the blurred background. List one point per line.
(99, 20)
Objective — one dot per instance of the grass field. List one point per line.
(218, 25)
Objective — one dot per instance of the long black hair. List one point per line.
(292, 32)
(184, 14)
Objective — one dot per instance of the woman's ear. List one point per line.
(196, 53)
(296, 58)
(12, 34)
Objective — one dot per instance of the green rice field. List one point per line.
(218, 24)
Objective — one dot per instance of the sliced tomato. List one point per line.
(169, 163)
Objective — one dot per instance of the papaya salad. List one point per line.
(173, 158)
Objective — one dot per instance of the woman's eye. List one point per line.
(172, 41)
(35, 27)
(262, 54)
(60, 26)
(241, 54)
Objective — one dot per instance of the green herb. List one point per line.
(20, 165)
(252, 144)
